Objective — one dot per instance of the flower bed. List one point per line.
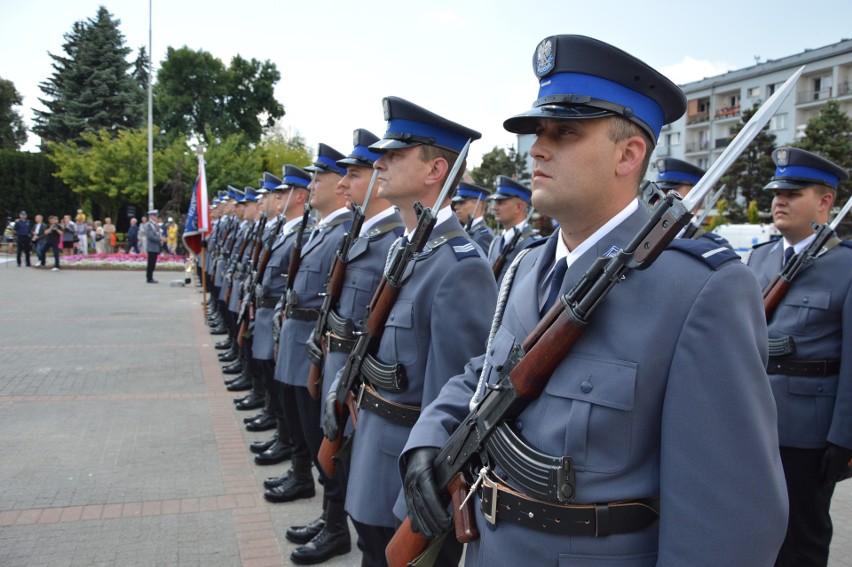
(122, 261)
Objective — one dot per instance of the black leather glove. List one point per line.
(427, 510)
(329, 416)
(835, 464)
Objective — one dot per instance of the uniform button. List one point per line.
(805, 300)
(819, 388)
(586, 387)
(519, 426)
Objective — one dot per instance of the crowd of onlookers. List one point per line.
(81, 235)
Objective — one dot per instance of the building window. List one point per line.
(754, 92)
(673, 139)
(770, 89)
(778, 122)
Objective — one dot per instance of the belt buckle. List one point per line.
(488, 484)
(360, 397)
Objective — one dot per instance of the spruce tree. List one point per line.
(92, 87)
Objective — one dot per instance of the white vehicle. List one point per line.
(743, 236)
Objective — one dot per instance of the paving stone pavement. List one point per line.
(121, 445)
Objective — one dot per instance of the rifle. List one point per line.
(236, 260)
(333, 288)
(531, 364)
(775, 291)
(295, 257)
(497, 267)
(696, 223)
(259, 259)
(380, 307)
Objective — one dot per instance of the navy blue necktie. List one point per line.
(788, 253)
(555, 285)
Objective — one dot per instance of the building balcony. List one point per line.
(728, 112)
(697, 147)
(697, 118)
(813, 96)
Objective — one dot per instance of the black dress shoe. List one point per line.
(259, 447)
(279, 452)
(241, 398)
(235, 367)
(304, 534)
(273, 481)
(229, 355)
(153, 281)
(224, 344)
(251, 418)
(220, 330)
(262, 423)
(240, 385)
(251, 402)
(291, 489)
(236, 378)
(333, 540)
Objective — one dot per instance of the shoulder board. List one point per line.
(708, 252)
(463, 247)
(722, 241)
(846, 243)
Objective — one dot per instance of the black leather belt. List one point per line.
(591, 520)
(335, 343)
(299, 314)
(400, 414)
(812, 368)
(389, 377)
(267, 302)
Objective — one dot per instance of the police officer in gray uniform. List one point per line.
(469, 204)
(152, 244)
(510, 201)
(662, 405)
(303, 413)
(439, 319)
(810, 367)
(681, 176)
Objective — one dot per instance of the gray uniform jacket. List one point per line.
(365, 269)
(318, 253)
(230, 246)
(663, 395)
(527, 238)
(438, 322)
(817, 313)
(153, 235)
(274, 285)
(211, 239)
(482, 234)
(237, 260)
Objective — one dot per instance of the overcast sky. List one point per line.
(467, 60)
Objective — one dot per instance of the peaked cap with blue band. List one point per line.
(583, 78)
(796, 169)
(508, 187)
(467, 191)
(237, 195)
(673, 173)
(268, 183)
(294, 177)
(326, 162)
(412, 125)
(361, 154)
(252, 196)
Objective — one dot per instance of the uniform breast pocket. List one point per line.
(399, 342)
(589, 406)
(357, 293)
(810, 307)
(309, 279)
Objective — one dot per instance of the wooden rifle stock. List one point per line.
(773, 294)
(497, 267)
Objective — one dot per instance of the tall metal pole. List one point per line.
(150, 117)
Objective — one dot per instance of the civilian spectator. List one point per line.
(171, 237)
(133, 237)
(39, 238)
(100, 240)
(53, 236)
(110, 240)
(69, 235)
(143, 236)
(83, 229)
(22, 234)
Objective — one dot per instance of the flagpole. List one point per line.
(199, 151)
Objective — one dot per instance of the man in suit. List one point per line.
(152, 244)
(811, 364)
(510, 203)
(469, 204)
(439, 319)
(303, 413)
(662, 408)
